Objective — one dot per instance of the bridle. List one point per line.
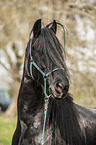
(45, 77)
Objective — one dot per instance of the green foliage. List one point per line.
(6, 130)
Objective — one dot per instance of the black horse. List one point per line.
(46, 112)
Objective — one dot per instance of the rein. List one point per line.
(45, 76)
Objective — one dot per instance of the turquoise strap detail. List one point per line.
(45, 119)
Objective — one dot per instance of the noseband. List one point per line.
(45, 76)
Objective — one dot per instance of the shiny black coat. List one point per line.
(67, 123)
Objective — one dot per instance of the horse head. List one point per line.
(47, 60)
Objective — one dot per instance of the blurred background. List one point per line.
(16, 21)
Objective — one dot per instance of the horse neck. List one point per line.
(62, 118)
(31, 95)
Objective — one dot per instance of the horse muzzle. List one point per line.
(58, 90)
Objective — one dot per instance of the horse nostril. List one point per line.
(58, 87)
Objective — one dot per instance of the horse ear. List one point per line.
(37, 28)
(54, 27)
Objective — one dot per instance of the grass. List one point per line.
(6, 130)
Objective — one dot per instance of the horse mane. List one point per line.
(49, 44)
(65, 120)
